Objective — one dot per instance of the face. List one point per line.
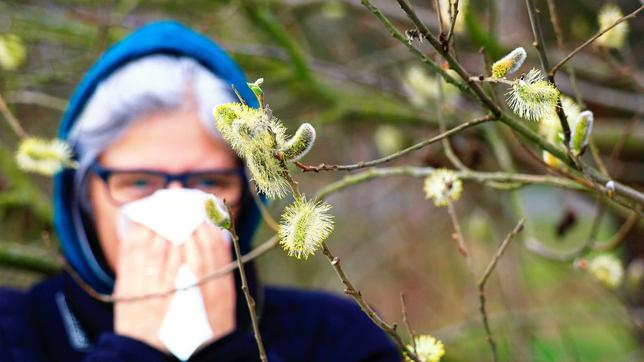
(173, 142)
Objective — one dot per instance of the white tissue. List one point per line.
(185, 326)
(172, 213)
(175, 214)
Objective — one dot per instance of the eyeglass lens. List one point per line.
(129, 186)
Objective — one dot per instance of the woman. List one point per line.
(141, 121)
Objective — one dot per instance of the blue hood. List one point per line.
(164, 37)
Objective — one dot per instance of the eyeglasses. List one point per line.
(126, 185)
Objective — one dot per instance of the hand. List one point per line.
(207, 251)
(146, 264)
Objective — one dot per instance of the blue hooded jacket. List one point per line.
(58, 321)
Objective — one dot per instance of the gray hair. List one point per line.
(139, 88)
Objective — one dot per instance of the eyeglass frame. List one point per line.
(104, 173)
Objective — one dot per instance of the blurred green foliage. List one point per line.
(332, 64)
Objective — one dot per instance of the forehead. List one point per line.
(173, 141)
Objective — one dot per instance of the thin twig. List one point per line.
(597, 157)
(481, 285)
(556, 25)
(458, 235)
(554, 19)
(482, 79)
(437, 8)
(106, 298)
(401, 38)
(621, 189)
(440, 116)
(266, 215)
(619, 236)
(453, 63)
(454, 15)
(617, 148)
(540, 45)
(250, 301)
(351, 291)
(11, 119)
(363, 164)
(422, 172)
(38, 98)
(410, 331)
(499, 253)
(264, 20)
(563, 61)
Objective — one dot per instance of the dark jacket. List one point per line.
(57, 321)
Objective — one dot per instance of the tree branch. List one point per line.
(11, 119)
(481, 285)
(563, 61)
(390, 329)
(421, 172)
(625, 191)
(250, 301)
(540, 45)
(363, 164)
(251, 255)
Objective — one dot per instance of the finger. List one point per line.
(153, 250)
(218, 293)
(128, 279)
(207, 239)
(171, 266)
(193, 258)
(130, 247)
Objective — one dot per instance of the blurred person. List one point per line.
(140, 121)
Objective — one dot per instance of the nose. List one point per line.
(174, 185)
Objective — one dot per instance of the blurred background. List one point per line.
(331, 63)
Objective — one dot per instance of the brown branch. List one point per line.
(481, 285)
(450, 34)
(540, 45)
(437, 8)
(363, 164)
(556, 25)
(563, 61)
(351, 291)
(453, 63)
(619, 236)
(472, 87)
(412, 335)
(250, 301)
(106, 298)
(458, 235)
(11, 119)
(482, 79)
(617, 148)
(440, 117)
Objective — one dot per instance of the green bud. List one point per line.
(216, 213)
(255, 87)
(581, 129)
(300, 144)
(509, 63)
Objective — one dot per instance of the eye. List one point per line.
(211, 182)
(206, 181)
(139, 183)
(135, 181)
